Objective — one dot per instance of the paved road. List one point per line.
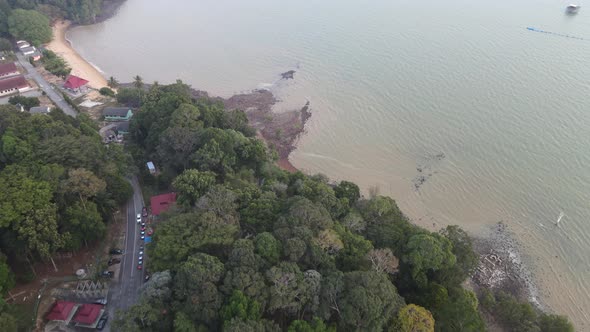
(125, 293)
(55, 96)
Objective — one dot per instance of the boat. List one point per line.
(572, 9)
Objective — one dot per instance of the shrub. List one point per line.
(107, 92)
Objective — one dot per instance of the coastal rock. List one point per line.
(288, 75)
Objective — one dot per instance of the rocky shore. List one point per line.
(279, 130)
(501, 266)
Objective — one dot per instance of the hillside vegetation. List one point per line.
(60, 185)
(251, 247)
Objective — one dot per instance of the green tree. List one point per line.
(29, 25)
(26, 206)
(83, 223)
(240, 325)
(316, 325)
(195, 286)
(467, 259)
(192, 184)
(413, 318)
(268, 247)
(5, 44)
(26, 102)
(84, 184)
(555, 323)
(112, 82)
(131, 97)
(138, 82)
(368, 301)
(427, 252)
(107, 92)
(349, 191)
(6, 277)
(241, 307)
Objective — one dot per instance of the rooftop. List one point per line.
(28, 49)
(115, 111)
(15, 82)
(62, 310)
(88, 314)
(40, 110)
(7, 68)
(74, 82)
(162, 202)
(123, 126)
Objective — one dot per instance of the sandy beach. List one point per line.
(80, 67)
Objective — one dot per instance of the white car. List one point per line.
(140, 258)
(138, 218)
(140, 253)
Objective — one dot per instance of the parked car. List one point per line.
(142, 232)
(143, 224)
(140, 258)
(114, 261)
(107, 274)
(139, 267)
(146, 278)
(150, 232)
(138, 218)
(141, 247)
(144, 212)
(140, 252)
(142, 237)
(102, 300)
(143, 228)
(102, 321)
(116, 251)
(140, 261)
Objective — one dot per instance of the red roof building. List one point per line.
(162, 202)
(62, 311)
(12, 85)
(88, 314)
(75, 82)
(7, 70)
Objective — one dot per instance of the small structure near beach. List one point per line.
(117, 113)
(76, 84)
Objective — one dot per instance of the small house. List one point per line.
(13, 85)
(40, 110)
(117, 113)
(62, 311)
(8, 70)
(88, 315)
(75, 84)
(151, 167)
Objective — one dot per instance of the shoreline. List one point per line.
(258, 107)
(80, 66)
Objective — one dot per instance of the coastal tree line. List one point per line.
(251, 247)
(30, 19)
(60, 187)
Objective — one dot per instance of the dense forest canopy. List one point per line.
(30, 19)
(60, 185)
(251, 247)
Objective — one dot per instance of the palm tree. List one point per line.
(138, 81)
(113, 83)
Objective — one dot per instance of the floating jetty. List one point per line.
(554, 33)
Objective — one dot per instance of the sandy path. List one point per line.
(80, 67)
